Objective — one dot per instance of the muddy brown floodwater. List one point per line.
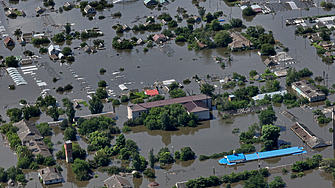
(209, 137)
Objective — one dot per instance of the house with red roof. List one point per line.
(151, 92)
(9, 41)
(158, 38)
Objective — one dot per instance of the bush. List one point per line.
(126, 129)
(150, 173)
(293, 176)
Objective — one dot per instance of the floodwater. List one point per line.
(143, 69)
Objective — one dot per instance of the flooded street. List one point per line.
(143, 69)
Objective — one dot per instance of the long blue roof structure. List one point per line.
(237, 158)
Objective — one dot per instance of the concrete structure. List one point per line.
(89, 10)
(308, 137)
(239, 42)
(50, 175)
(117, 181)
(306, 89)
(68, 151)
(9, 41)
(31, 137)
(200, 105)
(158, 38)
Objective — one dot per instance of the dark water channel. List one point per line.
(211, 136)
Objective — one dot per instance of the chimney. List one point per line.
(42, 171)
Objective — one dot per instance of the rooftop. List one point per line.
(27, 131)
(49, 173)
(145, 106)
(307, 88)
(117, 181)
(308, 136)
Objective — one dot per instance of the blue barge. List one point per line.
(241, 158)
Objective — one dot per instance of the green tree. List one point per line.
(172, 23)
(70, 112)
(116, 102)
(201, 11)
(59, 37)
(67, 28)
(271, 132)
(277, 183)
(70, 133)
(177, 93)
(223, 38)
(255, 181)
(102, 83)
(267, 117)
(31, 111)
(66, 51)
(101, 158)
(44, 129)
(124, 98)
(152, 159)
(186, 154)
(14, 114)
(268, 49)
(207, 89)
(236, 22)
(82, 169)
(248, 11)
(11, 61)
(96, 105)
(54, 113)
(64, 124)
(253, 73)
(101, 93)
(209, 17)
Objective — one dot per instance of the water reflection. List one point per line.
(166, 135)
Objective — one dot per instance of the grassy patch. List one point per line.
(84, 103)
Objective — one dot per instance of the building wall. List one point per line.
(203, 115)
(52, 181)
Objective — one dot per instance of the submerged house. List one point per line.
(89, 10)
(31, 137)
(50, 175)
(158, 38)
(239, 42)
(9, 41)
(117, 181)
(54, 52)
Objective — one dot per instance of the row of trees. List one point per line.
(168, 118)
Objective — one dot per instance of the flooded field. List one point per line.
(143, 69)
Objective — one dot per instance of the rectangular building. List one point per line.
(200, 105)
(308, 90)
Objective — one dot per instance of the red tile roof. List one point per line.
(152, 92)
(8, 39)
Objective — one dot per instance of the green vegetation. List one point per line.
(96, 105)
(44, 129)
(11, 61)
(123, 44)
(248, 11)
(168, 118)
